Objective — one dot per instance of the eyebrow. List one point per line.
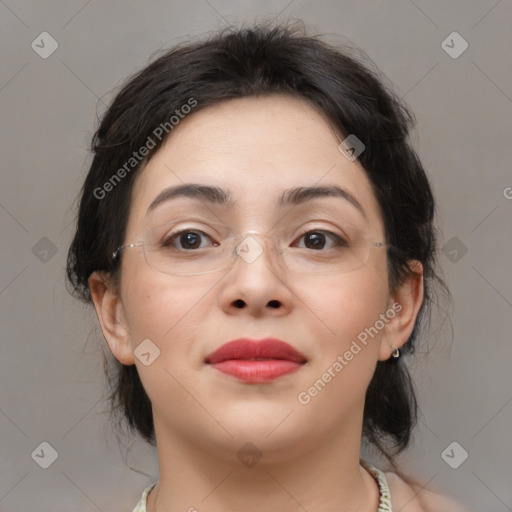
(217, 195)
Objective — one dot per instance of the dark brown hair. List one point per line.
(255, 61)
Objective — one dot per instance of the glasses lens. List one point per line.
(186, 250)
(178, 249)
(326, 262)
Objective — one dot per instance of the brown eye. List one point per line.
(317, 239)
(187, 240)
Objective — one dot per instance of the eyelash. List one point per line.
(339, 241)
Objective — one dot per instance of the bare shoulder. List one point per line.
(412, 498)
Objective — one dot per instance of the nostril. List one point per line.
(274, 304)
(239, 303)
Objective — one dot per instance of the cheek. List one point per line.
(164, 309)
(346, 305)
(346, 348)
(167, 311)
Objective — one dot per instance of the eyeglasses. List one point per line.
(192, 251)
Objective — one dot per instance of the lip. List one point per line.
(256, 360)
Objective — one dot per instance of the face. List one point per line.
(256, 149)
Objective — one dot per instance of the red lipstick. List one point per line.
(256, 360)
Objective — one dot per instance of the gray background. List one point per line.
(51, 348)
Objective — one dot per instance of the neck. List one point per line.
(328, 477)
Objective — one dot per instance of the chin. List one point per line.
(273, 426)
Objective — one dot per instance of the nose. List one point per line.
(256, 282)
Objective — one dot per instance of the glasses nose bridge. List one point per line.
(249, 245)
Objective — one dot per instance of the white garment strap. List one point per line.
(384, 493)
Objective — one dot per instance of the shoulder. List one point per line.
(414, 498)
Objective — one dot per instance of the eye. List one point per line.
(317, 239)
(187, 239)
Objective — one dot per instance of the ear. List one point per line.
(109, 310)
(405, 302)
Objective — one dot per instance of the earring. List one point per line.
(396, 353)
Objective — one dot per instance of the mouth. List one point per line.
(256, 361)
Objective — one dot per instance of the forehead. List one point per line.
(256, 148)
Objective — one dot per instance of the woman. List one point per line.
(256, 235)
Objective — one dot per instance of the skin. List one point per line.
(256, 148)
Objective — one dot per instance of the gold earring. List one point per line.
(396, 353)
